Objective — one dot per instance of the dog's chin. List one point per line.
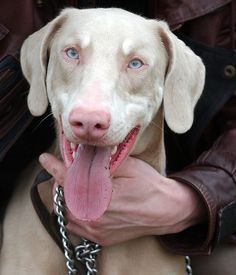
(118, 153)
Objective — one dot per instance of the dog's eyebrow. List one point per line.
(129, 46)
(83, 40)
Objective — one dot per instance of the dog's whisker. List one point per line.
(156, 125)
(43, 120)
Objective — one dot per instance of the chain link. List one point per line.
(188, 265)
(86, 252)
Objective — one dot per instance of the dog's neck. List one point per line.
(150, 147)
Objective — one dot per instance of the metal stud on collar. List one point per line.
(86, 252)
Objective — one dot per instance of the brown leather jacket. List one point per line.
(213, 173)
(207, 161)
(18, 19)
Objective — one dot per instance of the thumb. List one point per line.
(53, 166)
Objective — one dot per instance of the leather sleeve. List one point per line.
(213, 176)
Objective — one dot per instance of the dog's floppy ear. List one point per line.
(184, 81)
(34, 63)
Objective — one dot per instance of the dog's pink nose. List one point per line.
(91, 125)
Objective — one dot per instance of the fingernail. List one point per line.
(42, 158)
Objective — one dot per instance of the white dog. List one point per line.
(110, 77)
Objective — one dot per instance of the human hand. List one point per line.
(143, 203)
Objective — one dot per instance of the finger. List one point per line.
(127, 168)
(53, 166)
(80, 232)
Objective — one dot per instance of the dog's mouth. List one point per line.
(88, 186)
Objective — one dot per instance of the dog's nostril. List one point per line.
(98, 126)
(79, 124)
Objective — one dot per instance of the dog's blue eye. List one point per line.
(72, 53)
(135, 64)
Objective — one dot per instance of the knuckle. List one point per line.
(94, 224)
(97, 235)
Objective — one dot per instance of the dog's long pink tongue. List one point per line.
(88, 187)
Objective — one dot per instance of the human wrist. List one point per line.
(191, 208)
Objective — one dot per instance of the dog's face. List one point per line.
(103, 74)
(106, 73)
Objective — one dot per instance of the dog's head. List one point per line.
(106, 72)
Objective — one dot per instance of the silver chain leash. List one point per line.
(86, 252)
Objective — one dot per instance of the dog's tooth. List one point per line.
(114, 150)
(73, 154)
(72, 146)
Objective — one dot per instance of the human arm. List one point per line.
(213, 176)
(143, 203)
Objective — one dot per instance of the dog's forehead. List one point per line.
(103, 18)
(106, 26)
